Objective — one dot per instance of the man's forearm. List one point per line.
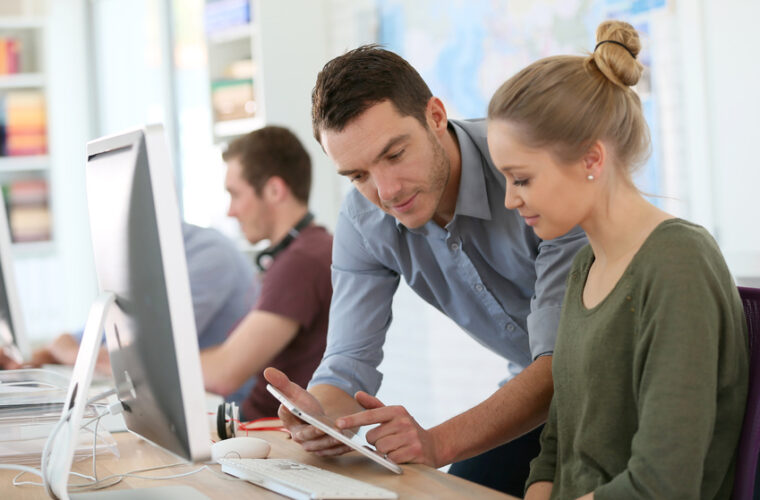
(519, 406)
(256, 341)
(335, 402)
(63, 349)
(43, 356)
(217, 375)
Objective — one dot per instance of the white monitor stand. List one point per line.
(57, 467)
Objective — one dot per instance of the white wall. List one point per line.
(294, 47)
(732, 80)
(70, 131)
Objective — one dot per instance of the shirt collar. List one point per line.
(472, 200)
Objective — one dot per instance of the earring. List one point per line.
(590, 177)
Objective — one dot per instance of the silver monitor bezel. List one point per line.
(9, 282)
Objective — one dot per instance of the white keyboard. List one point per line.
(300, 481)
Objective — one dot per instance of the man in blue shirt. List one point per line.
(428, 206)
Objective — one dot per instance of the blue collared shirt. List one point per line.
(486, 270)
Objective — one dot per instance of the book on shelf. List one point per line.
(241, 69)
(10, 53)
(13, 50)
(27, 192)
(28, 208)
(233, 99)
(222, 15)
(23, 123)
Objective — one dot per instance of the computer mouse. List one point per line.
(240, 447)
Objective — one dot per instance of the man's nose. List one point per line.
(388, 186)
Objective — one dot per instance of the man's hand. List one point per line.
(41, 357)
(398, 436)
(308, 436)
(8, 361)
(64, 350)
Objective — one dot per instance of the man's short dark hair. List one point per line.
(350, 84)
(273, 151)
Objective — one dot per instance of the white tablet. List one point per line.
(324, 424)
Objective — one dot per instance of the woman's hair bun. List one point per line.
(618, 46)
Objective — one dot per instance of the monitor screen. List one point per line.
(139, 257)
(12, 331)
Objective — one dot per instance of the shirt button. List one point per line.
(479, 287)
(510, 327)
(454, 247)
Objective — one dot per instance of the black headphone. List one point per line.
(227, 417)
(265, 258)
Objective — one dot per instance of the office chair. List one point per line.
(746, 480)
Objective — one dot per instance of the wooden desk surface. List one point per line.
(417, 481)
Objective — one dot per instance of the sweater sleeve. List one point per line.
(685, 344)
(542, 467)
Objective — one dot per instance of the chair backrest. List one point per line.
(749, 443)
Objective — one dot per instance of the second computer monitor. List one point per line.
(12, 331)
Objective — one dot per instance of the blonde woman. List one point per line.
(651, 362)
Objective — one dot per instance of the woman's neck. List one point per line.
(618, 228)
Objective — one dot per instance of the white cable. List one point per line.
(135, 474)
(96, 483)
(41, 472)
(51, 437)
(101, 483)
(22, 468)
(102, 395)
(95, 418)
(95, 444)
(25, 469)
(16, 481)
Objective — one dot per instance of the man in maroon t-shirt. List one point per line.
(268, 178)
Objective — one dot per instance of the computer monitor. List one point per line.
(145, 303)
(12, 330)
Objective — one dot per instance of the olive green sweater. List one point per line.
(650, 384)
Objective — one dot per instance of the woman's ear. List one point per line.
(594, 161)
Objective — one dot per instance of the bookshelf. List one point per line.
(284, 44)
(24, 158)
(234, 65)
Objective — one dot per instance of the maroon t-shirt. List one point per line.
(297, 286)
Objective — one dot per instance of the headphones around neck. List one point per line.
(265, 258)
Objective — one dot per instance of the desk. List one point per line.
(417, 481)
